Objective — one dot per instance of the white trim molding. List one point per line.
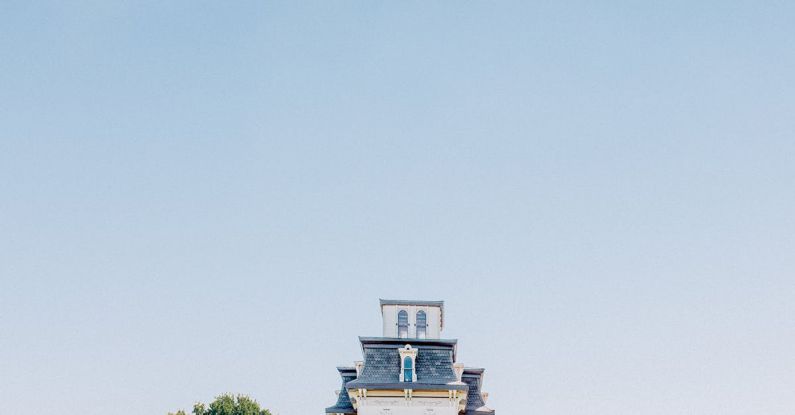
(408, 351)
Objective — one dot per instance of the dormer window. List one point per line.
(408, 358)
(422, 324)
(403, 324)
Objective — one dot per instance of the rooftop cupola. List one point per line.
(408, 319)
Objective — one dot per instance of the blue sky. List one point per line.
(199, 197)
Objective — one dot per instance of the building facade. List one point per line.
(410, 370)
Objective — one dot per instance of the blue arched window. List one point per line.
(408, 369)
(422, 325)
(403, 324)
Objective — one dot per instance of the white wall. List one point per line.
(402, 406)
(390, 321)
(434, 322)
(433, 317)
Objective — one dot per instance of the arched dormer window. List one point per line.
(403, 324)
(408, 369)
(408, 358)
(422, 324)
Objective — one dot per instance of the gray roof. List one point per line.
(434, 364)
(403, 341)
(343, 405)
(400, 342)
(473, 377)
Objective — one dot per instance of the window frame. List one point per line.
(403, 326)
(423, 326)
(407, 354)
(408, 371)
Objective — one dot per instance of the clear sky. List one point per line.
(208, 197)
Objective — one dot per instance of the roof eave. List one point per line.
(405, 385)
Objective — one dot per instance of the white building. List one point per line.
(410, 370)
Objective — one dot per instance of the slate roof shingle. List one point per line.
(434, 364)
(343, 405)
(475, 405)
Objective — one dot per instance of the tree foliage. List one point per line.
(227, 404)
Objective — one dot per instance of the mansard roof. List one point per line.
(473, 377)
(401, 341)
(343, 405)
(434, 364)
(416, 343)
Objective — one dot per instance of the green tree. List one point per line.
(227, 404)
